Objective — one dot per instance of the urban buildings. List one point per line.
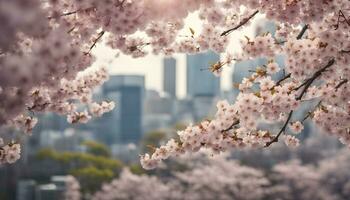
(169, 76)
(200, 81)
(124, 123)
(159, 110)
(30, 190)
(202, 85)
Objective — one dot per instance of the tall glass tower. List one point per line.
(202, 82)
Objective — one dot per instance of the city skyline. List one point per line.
(151, 66)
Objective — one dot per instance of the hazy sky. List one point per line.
(151, 65)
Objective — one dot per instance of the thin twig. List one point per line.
(341, 83)
(243, 22)
(283, 129)
(311, 112)
(95, 41)
(70, 13)
(300, 35)
(231, 127)
(345, 51)
(70, 30)
(302, 32)
(283, 79)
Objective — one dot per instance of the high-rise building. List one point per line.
(49, 191)
(123, 124)
(159, 110)
(26, 190)
(169, 76)
(201, 82)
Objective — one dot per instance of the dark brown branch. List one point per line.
(231, 127)
(341, 15)
(300, 35)
(243, 22)
(341, 83)
(71, 29)
(302, 32)
(283, 129)
(309, 81)
(283, 79)
(310, 113)
(345, 51)
(69, 13)
(95, 41)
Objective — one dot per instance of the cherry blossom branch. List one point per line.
(137, 47)
(70, 13)
(95, 41)
(303, 31)
(307, 84)
(283, 79)
(345, 51)
(341, 15)
(341, 83)
(231, 127)
(243, 22)
(283, 129)
(310, 113)
(309, 81)
(300, 35)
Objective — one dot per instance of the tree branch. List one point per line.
(311, 112)
(95, 41)
(69, 13)
(243, 22)
(302, 32)
(283, 129)
(345, 51)
(283, 79)
(231, 127)
(341, 83)
(309, 81)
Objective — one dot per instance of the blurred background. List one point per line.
(150, 108)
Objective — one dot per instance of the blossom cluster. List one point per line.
(316, 69)
(221, 178)
(72, 191)
(9, 153)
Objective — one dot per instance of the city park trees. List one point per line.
(46, 58)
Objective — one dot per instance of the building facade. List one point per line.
(200, 81)
(169, 76)
(123, 124)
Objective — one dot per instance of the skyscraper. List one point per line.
(169, 76)
(26, 190)
(124, 124)
(202, 82)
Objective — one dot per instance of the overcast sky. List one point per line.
(151, 65)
